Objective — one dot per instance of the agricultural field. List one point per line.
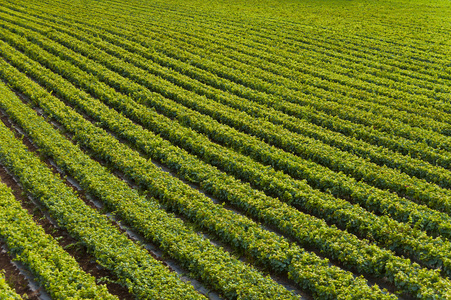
(226, 149)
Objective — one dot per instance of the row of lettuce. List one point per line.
(135, 168)
(240, 233)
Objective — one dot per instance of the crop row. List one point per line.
(262, 246)
(314, 45)
(135, 268)
(347, 49)
(55, 269)
(212, 186)
(371, 136)
(200, 38)
(254, 20)
(100, 146)
(341, 76)
(326, 92)
(405, 210)
(292, 29)
(198, 254)
(329, 43)
(220, 184)
(406, 146)
(359, 168)
(413, 167)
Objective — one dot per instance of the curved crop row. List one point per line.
(404, 210)
(345, 51)
(262, 246)
(374, 137)
(411, 166)
(341, 77)
(209, 262)
(371, 47)
(130, 89)
(193, 38)
(292, 29)
(135, 268)
(308, 113)
(213, 185)
(196, 40)
(55, 269)
(325, 66)
(307, 148)
(407, 125)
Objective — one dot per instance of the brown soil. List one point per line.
(13, 277)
